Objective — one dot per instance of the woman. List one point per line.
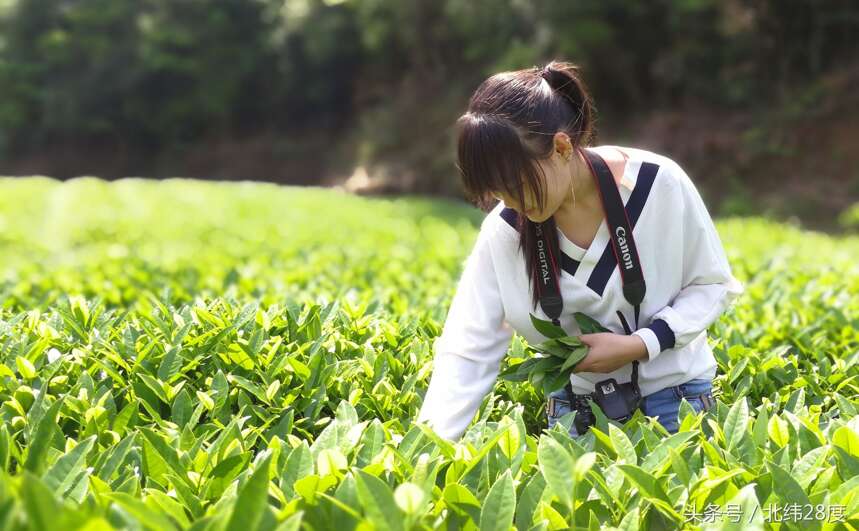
(521, 141)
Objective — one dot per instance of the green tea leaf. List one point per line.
(750, 516)
(25, 368)
(454, 493)
(40, 504)
(778, 432)
(60, 477)
(648, 484)
(116, 456)
(554, 348)
(42, 438)
(182, 408)
(556, 465)
(547, 328)
(570, 341)
(622, 445)
(846, 439)
(378, 502)
(311, 486)
(574, 358)
(170, 364)
(252, 500)
(589, 325)
(786, 487)
(759, 432)
(510, 441)
(630, 521)
(206, 400)
(527, 504)
(224, 473)
(553, 382)
(148, 517)
(330, 461)
(409, 497)
(499, 505)
(299, 464)
(736, 423)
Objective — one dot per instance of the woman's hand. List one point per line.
(609, 352)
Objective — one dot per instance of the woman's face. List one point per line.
(555, 188)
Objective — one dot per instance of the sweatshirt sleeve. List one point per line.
(709, 287)
(468, 353)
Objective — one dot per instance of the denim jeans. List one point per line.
(663, 404)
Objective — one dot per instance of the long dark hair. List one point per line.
(510, 124)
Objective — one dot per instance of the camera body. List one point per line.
(617, 401)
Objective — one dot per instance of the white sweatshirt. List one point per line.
(689, 285)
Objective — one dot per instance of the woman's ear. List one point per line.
(563, 146)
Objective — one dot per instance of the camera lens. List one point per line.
(584, 416)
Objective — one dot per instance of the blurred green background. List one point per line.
(757, 100)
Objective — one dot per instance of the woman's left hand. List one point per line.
(609, 352)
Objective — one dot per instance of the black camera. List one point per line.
(617, 401)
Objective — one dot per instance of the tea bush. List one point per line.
(213, 355)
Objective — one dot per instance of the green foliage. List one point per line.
(562, 354)
(160, 74)
(184, 355)
(849, 219)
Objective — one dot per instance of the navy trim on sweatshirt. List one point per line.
(510, 216)
(663, 333)
(568, 263)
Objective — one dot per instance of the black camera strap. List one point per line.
(550, 293)
(623, 245)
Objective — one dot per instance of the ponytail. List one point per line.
(564, 79)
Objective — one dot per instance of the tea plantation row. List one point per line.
(191, 355)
